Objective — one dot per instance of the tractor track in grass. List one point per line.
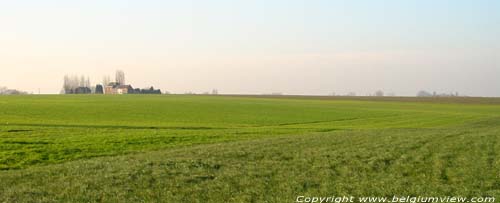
(309, 122)
(225, 149)
(107, 126)
(284, 166)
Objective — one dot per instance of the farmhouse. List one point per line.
(117, 88)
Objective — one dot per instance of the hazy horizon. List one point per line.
(254, 47)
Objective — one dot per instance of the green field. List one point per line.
(176, 148)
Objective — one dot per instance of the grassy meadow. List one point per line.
(180, 148)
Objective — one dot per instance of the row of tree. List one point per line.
(422, 93)
(378, 93)
(7, 91)
(435, 94)
(76, 84)
(81, 85)
(119, 78)
(151, 90)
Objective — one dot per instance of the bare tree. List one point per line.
(87, 82)
(72, 83)
(66, 85)
(106, 80)
(3, 89)
(379, 93)
(120, 77)
(7, 91)
(82, 81)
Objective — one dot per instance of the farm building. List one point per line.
(82, 90)
(116, 88)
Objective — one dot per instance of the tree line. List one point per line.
(73, 84)
(76, 85)
(7, 91)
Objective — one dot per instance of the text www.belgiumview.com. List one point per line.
(394, 199)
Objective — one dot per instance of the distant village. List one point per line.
(81, 85)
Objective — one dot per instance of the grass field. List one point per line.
(135, 148)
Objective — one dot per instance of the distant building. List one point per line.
(117, 88)
(82, 90)
(99, 89)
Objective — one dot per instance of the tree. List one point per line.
(150, 90)
(106, 80)
(66, 85)
(423, 93)
(82, 81)
(7, 91)
(87, 82)
(74, 84)
(120, 77)
(70, 84)
(3, 89)
(379, 93)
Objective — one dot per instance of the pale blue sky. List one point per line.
(256, 46)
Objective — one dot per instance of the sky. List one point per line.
(303, 47)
